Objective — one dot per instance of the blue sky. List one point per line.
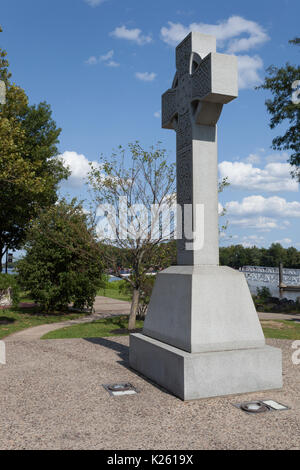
(103, 65)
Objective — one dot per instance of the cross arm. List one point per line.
(216, 79)
(168, 108)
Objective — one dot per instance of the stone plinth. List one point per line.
(202, 336)
(199, 375)
(203, 308)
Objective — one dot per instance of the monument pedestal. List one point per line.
(202, 336)
(198, 375)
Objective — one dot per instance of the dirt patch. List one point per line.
(276, 325)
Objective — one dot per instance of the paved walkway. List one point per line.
(278, 316)
(106, 307)
(103, 307)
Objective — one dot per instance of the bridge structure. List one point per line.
(291, 277)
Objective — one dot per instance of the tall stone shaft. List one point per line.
(204, 81)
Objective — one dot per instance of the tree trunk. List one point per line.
(1, 254)
(133, 309)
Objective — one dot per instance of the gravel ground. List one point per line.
(52, 398)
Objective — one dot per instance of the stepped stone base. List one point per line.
(206, 374)
(202, 336)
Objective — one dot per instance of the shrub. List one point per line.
(62, 262)
(263, 293)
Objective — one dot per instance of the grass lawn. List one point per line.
(16, 319)
(112, 290)
(113, 293)
(282, 329)
(115, 326)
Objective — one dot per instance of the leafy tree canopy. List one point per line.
(62, 262)
(279, 81)
(29, 168)
(144, 177)
(237, 256)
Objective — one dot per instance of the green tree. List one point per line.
(141, 177)
(255, 256)
(277, 254)
(279, 82)
(292, 259)
(237, 256)
(62, 262)
(30, 170)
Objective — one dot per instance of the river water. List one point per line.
(253, 285)
(273, 288)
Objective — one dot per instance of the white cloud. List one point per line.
(234, 35)
(252, 240)
(79, 166)
(273, 177)
(145, 76)
(94, 3)
(248, 68)
(284, 241)
(157, 114)
(175, 32)
(220, 208)
(252, 158)
(261, 206)
(280, 157)
(105, 57)
(92, 60)
(134, 35)
(264, 224)
(112, 63)
(230, 33)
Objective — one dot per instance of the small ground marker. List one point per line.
(260, 406)
(120, 389)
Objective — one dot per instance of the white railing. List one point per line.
(291, 277)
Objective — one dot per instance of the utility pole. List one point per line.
(281, 283)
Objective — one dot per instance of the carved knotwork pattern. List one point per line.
(169, 106)
(185, 176)
(184, 131)
(201, 80)
(183, 95)
(184, 186)
(183, 56)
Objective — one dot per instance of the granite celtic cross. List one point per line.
(204, 81)
(202, 336)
